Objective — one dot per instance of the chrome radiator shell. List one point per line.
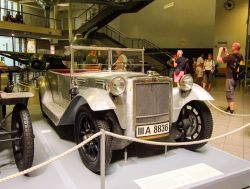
(149, 101)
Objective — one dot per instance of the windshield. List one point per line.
(106, 58)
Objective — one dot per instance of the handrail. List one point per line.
(29, 14)
(144, 41)
(98, 10)
(84, 11)
(117, 31)
(120, 1)
(34, 20)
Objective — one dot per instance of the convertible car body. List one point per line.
(134, 104)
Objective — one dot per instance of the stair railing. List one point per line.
(91, 12)
(126, 41)
(87, 15)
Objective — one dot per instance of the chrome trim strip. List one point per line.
(156, 115)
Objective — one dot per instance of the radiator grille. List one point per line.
(152, 103)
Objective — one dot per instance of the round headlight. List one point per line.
(186, 83)
(117, 86)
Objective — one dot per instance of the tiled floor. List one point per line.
(238, 143)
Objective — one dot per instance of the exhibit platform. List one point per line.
(147, 167)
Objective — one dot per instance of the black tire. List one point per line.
(86, 125)
(23, 149)
(201, 123)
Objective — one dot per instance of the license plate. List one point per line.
(150, 130)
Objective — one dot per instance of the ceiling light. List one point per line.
(168, 5)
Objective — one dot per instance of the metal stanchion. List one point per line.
(102, 160)
(165, 150)
(125, 155)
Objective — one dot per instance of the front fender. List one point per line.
(97, 99)
(180, 98)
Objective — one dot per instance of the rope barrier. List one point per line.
(50, 160)
(220, 110)
(120, 137)
(177, 143)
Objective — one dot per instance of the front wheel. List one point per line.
(195, 123)
(23, 148)
(86, 125)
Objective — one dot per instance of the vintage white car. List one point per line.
(134, 104)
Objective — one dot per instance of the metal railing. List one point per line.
(92, 11)
(31, 19)
(87, 15)
(126, 41)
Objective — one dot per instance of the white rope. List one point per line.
(220, 110)
(120, 137)
(176, 143)
(50, 160)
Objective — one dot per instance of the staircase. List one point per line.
(95, 18)
(154, 56)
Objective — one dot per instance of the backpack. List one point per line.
(235, 67)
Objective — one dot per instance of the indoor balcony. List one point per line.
(28, 25)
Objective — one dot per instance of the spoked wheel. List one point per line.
(195, 123)
(85, 126)
(23, 148)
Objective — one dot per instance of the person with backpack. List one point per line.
(232, 60)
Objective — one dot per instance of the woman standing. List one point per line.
(209, 67)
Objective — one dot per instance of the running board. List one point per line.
(53, 111)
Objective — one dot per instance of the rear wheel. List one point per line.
(195, 123)
(23, 149)
(85, 126)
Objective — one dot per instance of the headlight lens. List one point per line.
(186, 83)
(117, 86)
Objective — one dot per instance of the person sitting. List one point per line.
(121, 62)
(19, 18)
(92, 57)
(8, 17)
(92, 60)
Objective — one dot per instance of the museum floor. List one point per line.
(237, 144)
(69, 172)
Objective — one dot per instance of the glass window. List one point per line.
(6, 45)
(13, 44)
(31, 46)
(3, 12)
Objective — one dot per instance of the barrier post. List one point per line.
(165, 150)
(125, 155)
(102, 164)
